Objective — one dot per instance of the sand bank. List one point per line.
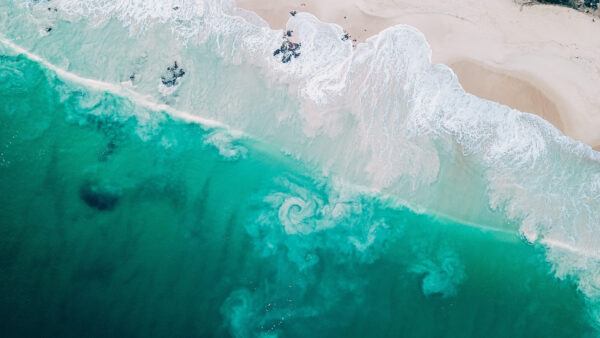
(538, 59)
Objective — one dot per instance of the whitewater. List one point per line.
(379, 123)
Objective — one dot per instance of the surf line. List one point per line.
(208, 123)
(122, 91)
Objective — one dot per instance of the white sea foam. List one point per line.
(441, 275)
(224, 141)
(380, 115)
(117, 89)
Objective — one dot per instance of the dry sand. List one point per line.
(538, 59)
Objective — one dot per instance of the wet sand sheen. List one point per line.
(497, 85)
(512, 90)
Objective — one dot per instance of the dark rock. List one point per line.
(173, 73)
(293, 13)
(98, 196)
(288, 50)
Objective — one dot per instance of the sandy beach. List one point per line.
(539, 59)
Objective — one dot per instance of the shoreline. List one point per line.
(504, 87)
(539, 59)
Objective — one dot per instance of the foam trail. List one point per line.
(139, 99)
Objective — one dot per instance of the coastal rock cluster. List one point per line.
(288, 50)
(174, 72)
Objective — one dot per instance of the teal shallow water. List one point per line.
(113, 224)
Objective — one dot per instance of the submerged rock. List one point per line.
(108, 151)
(99, 196)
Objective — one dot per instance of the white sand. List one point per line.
(538, 59)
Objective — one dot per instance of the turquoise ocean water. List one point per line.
(123, 216)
